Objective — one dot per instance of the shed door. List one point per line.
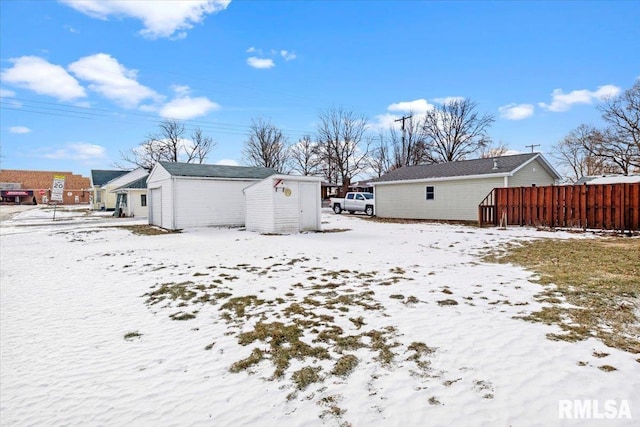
(308, 205)
(156, 206)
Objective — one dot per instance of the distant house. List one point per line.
(608, 179)
(453, 191)
(182, 195)
(283, 204)
(99, 179)
(105, 181)
(131, 198)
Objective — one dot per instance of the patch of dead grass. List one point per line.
(598, 278)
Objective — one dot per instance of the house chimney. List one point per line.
(495, 164)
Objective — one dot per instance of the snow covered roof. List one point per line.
(609, 179)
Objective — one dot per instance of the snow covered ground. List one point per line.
(91, 333)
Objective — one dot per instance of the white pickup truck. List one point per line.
(353, 202)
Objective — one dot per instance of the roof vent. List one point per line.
(495, 164)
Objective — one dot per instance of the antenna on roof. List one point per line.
(532, 146)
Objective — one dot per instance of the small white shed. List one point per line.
(182, 195)
(283, 204)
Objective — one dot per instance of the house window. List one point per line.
(431, 192)
(98, 196)
(143, 200)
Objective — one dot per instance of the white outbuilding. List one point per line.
(283, 204)
(183, 195)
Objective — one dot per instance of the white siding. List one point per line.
(286, 210)
(532, 173)
(259, 206)
(454, 200)
(134, 203)
(202, 202)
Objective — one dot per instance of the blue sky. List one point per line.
(82, 81)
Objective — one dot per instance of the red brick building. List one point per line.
(21, 186)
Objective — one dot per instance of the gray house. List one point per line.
(453, 191)
(182, 195)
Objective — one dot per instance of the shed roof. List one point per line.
(478, 167)
(101, 177)
(217, 171)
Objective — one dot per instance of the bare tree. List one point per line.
(169, 144)
(200, 147)
(266, 146)
(304, 157)
(620, 142)
(341, 142)
(576, 153)
(379, 156)
(454, 130)
(491, 150)
(409, 147)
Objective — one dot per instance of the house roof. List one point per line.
(101, 177)
(138, 183)
(217, 171)
(504, 165)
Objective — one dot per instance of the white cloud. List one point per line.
(417, 106)
(160, 18)
(112, 80)
(181, 90)
(448, 99)
(6, 93)
(78, 151)
(19, 129)
(516, 111)
(186, 108)
(227, 162)
(288, 56)
(42, 77)
(561, 101)
(261, 63)
(254, 50)
(385, 121)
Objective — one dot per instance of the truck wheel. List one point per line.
(337, 209)
(369, 210)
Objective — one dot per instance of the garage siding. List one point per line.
(453, 200)
(206, 202)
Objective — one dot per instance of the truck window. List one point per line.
(350, 196)
(359, 197)
(368, 196)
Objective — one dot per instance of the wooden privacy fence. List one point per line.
(597, 206)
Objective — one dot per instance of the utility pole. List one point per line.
(532, 146)
(406, 160)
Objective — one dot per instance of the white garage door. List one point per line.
(156, 207)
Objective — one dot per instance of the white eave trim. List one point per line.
(447, 178)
